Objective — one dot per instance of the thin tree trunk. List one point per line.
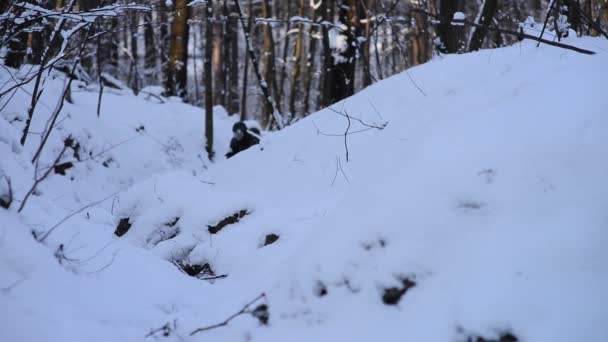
(233, 88)
(150, 48)
(420, 40)
(327, 8)
(343, 68)
(448, 33)
(484, 18)
(165, 42)
(247, 33)
(209, 80)
(297, 59)
(310, 64)
(254, 62)
(269, 67)
(218, 61)
(367, 75)
(178, 56)
(286, 48)
(134, 52)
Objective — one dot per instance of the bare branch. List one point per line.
(244, 310)
(41, 239)
(38, 180)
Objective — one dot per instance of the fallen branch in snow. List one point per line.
(13, 285)
(260, 312)
(221, 276)
(92, 204)
(38, 180)
(165, 329)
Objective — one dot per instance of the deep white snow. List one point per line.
(490, 193)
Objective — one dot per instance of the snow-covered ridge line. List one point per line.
(478, 213)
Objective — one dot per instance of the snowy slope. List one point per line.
(489, 193)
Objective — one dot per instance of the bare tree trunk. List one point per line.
(343, 65)
(16, 51)
(208, 80)
(134, 52)
(247, 33)
(485, 16)
(165, 42)
(448, 33)
(151, 46)
(310, 64)
(327, 9)
(233, 88)
(218, 61)
(286, 48)
(269, 66)
(367, 74)
(604, 12)
(177, 79)
(254, 62)
(420, 39)
(297, 59)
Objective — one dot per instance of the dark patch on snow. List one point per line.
(261, 313)
(488, 175)
(270, 239)
(368, 246)
(320, 289)
(195, 270)
(140, 129)
(234, 218)
(502, 337)
(173, 222)
(200, 271)
(392, 295)
(61, 168)
(167, 232)
(123, 227)
(470, 205)
(107, 162)
(74, 145)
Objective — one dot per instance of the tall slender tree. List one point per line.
(177, 80)
(208, 80)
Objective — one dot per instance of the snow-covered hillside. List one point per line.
(477, 208)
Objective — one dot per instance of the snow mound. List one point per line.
(476, 210)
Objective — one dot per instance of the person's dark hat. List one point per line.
(239, 126)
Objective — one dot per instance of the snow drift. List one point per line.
(475, 210)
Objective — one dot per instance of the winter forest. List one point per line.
(256, 58)
(292, 170)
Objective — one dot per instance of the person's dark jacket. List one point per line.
(246, 142)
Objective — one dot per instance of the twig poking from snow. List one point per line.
(221, 276)
(346, 135)
(103, 268)
(342, 170)
(339, 168)
(244, 310)
(340, 112)
(73, 214)
(14, 284)
(375, 109)
(38, 180)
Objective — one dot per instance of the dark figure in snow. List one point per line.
(242, 139)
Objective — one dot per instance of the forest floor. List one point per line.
(471, 205)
